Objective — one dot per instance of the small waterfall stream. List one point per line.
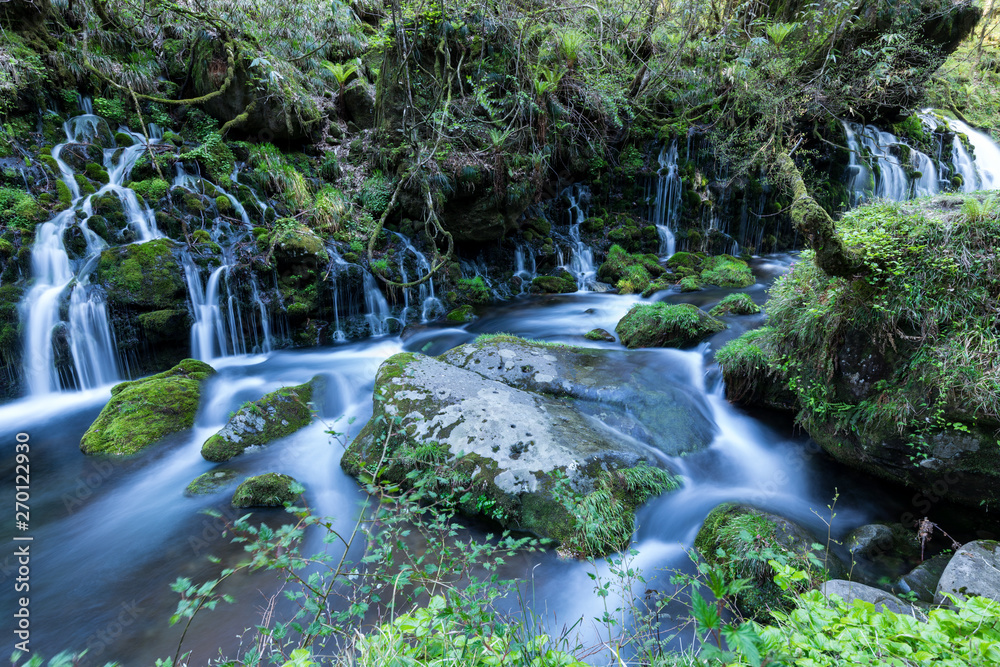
(667, 204)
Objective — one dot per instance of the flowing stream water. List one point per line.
(110, 536)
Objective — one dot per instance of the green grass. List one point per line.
(735, 304)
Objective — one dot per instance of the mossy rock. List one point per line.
(268, 490)
(600, 335)
(210, 482)
(664, 325)
(741, 539)
(735, 304)
(152, 189)
(629, 273)
(726, 271)
(464, 313)
(690, 284)
(751, 373)
(146, 275)
(142, 412)
(553, 285)
(473, 290)
(686, 260)
(161, 326)
(276, 415)
(551, 473)
(657, 285)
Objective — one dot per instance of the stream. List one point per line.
(110, 536)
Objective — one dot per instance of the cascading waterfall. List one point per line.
(90, 338)
(667, 205)
(581, 261)
(918, 175)
(208, 337)
(430, 304)
(522, 254)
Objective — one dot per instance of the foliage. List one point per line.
(735, 304)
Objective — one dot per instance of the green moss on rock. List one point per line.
(210, 482)
(726, 271)
(142, 412)
(143, 274)
(735, 304)
(269, 490)
(599, 335)
(276, 415)
(664, 325)
(464, 313)
(553, 285)
(629, 273)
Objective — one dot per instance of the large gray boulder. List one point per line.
(501, 426)
(973, 570)
(849, 591)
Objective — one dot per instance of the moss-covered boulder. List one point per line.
(894, 369)
(210, 482)
(735, 304)
(144, 275)
(269, 490)
(142, 412)
(742, 539)
(561, 284)
(629, 273)
(276, 415)
(462, 314)
(664, 325)
(498, 425)
(751, 373)
(726, 271)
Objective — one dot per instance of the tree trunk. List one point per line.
(832, 256)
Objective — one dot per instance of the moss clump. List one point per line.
(151, 189)
(553, 285)
(735, 304)
(274, 416)
(144, 411)
(143, 274)
(210, 482)
(664, 325)
(690, 284)
(96, 172)
(464, 313)
(269, 490)
(473, 290)
(726, 271)
(599, 335)
(629, 273)
(20, 210)
(165, 325)
(742, 539)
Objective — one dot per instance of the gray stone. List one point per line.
(496, 418)
(924, 578)
(973, 570)
(359, 103)
(850, 591)
(869, 541)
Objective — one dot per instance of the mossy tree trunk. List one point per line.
(813, 222)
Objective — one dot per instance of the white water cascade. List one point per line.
(523, 258)
(581, 261)
(667, 205)
(883, 166)
(90, 338)
(430, 305)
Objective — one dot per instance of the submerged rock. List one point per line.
(210, 482)
(665, 325)
(276, 415)
(144, 411)
(973, 570)
(600, 335)
(490, 423)
(269, 490)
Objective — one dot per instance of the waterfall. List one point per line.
(430, 304)
(987, 162)
(377, 311)
(667, 205)
(208, 334)
(523, 253)
(581, 261)
(90, 338)
(888, 179)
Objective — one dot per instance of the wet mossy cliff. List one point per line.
(548, 467)
(894, 370)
